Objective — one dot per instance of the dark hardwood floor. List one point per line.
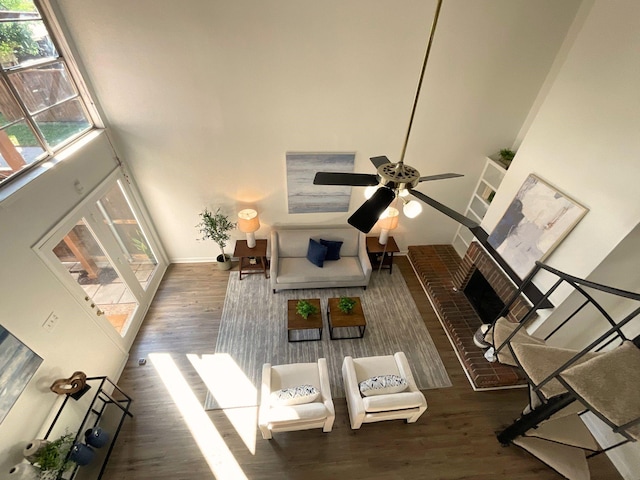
(171, 437)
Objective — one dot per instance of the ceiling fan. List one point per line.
(393, 179)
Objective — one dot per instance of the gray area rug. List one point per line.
(253, 331)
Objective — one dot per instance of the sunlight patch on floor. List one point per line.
(230, 386)
(213, 447)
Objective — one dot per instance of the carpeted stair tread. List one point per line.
(540, 361)
(501, 331)
(609, 383)
(570, 462)
(567, 430)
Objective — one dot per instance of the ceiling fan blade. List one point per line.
(381, 160)
(367, 215)
(458, 217)
(441, 176)
(341, 178)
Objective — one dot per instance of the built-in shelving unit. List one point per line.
(491, 178)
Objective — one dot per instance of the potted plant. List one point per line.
(216, 226)
(346, 304)
(52, 459)
(304, 309)
(506, 155)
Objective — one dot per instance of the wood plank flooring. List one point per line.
(454, 439)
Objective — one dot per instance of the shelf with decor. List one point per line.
(94, 417)
(488, 184)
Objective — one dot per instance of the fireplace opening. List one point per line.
(483, 298)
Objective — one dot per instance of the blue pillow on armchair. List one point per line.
(333, 246)
(316, 253)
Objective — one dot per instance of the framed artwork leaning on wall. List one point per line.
(537, 220)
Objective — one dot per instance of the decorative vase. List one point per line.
(33, 447)
(81, 454)
(224, 263)
(96, 437)
(23, 471)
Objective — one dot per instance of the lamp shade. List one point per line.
(248, 220)
(389, 219)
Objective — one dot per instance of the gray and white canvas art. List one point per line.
(17, 365)
(305, 197)
(537, 220)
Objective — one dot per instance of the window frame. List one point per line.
(65, 56)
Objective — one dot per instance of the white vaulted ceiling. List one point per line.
(204, 98)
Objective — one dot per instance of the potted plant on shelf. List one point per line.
(506, 156)
(304, 309)
(346, 304)
(52, 459)
(216, 226)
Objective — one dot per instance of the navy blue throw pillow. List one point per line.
(333, 252)
(316, 253)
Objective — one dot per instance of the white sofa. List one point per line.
(290, 268)
(319, 413)
(408, 404)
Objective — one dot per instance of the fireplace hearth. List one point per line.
(444, 277)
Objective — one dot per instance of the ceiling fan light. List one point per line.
(369, 191)
(403, 193)
(412, 209)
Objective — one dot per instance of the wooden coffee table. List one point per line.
(338, 319)
(296, 322)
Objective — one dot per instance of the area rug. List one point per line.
(253, 331)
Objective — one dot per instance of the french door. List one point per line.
(104, 254)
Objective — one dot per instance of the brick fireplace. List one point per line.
(444, 277)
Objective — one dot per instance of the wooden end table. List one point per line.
(246, 254)
(296, 322)
(378, 253)
(338, 319)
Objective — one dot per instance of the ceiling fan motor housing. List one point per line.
(398, 176)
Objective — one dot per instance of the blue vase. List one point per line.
(96, 437)
(81, 454)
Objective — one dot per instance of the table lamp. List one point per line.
(388, 221)
(248, 222)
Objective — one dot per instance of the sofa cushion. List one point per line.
(333, 248)
(298, 413)
(394, 401)
(382, 384)
(299, 270)
(316, 253)
(295, 395)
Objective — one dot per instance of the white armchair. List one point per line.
(276, 416)
(408, 404)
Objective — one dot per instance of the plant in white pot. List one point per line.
(217, 226)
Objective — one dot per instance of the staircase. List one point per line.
(600, 377)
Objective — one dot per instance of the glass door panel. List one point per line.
(118, 216)
(82, 256)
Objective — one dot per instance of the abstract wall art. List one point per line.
(18, 363)
(536, 221)
(305, 197)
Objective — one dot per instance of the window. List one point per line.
(41, 109)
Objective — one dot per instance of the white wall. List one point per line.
(584, 140)
(30, 292)
(206, 97)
